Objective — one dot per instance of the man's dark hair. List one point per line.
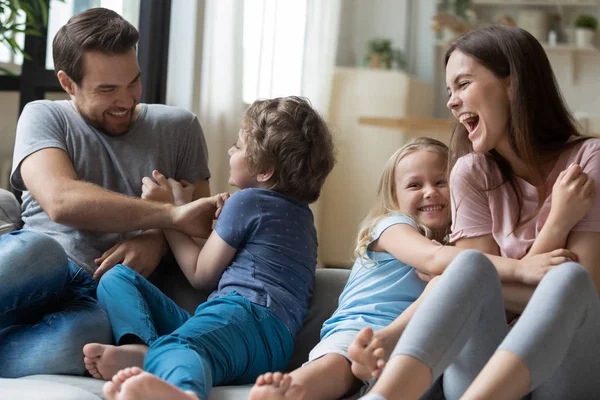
(96, 29)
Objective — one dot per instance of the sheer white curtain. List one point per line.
(320, 47)
(224, 64)
(221, 107)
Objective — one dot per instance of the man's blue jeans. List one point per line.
(48, 308)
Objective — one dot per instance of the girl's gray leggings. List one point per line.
(462, 323)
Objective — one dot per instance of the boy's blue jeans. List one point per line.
(228, 340)
(48, 308)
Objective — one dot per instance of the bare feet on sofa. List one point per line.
(103, 361)
(135, 384)
(368, 352)
(276, 386)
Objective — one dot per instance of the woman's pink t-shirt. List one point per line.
(477, 211)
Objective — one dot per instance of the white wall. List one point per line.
(9, 110)
(362, 20)
(9, 113)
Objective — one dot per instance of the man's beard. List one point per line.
(101, 126)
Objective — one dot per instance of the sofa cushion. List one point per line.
(10, 212)
(45, 387)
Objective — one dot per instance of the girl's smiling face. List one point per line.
(422, 189)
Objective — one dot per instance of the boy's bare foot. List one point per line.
(103, 361)
(369, 353)
(135, 384)
(276, 386)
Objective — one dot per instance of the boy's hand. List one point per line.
(532, 269)
(572, 197)
(158, 189)
(190, 218)
(183, 191)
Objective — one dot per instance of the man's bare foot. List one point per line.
(369, 353)
(103, 361)
(135, 384)
(276, 386)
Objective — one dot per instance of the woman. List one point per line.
(513, 147)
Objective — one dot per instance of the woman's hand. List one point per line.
(572, 197)
(531, 270)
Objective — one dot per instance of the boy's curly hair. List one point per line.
(287, 135)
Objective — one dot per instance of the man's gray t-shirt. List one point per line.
(164, 138)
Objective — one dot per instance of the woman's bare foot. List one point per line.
(103, 361)
(369, 353)
(276, 386)
(135, 384)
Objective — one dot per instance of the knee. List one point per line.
(570, 277)
(26, 250)
(474, 263)
(36, 245)
(115, 278)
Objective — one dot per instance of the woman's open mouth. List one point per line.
(470, 121)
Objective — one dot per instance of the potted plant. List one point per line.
(379, 53)
(585, 29)
(21, 17)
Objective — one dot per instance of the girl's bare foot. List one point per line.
(112, 388)
(368, 354)
(135, 384)
(103, 361)
(276, 386)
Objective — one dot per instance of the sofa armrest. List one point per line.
(329, 283)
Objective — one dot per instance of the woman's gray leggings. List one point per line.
(462, 323)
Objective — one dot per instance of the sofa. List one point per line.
(329, 283)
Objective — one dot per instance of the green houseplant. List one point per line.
(585, 30)
(21, 17)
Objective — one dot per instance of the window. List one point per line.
(274, 33)
(59, 14)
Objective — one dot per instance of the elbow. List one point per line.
(56, 208)
(437, 264)
(201, 284)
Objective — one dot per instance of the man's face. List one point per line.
(110, 91)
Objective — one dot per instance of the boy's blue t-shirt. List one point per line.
(276, 243)
(377, 291)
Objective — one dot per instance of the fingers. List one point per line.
(564, 253)
(571, 172)
(107, 264)
(589, 188)
(185, 183)
(160, 178)
(107, 253)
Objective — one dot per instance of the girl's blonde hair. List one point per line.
(386, 202)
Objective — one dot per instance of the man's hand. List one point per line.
(142, 253)
(195, 218)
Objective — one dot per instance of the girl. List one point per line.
(411, 214)
(514, 138)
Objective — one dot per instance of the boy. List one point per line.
(260, 258)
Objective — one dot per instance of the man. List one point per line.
(80, 165)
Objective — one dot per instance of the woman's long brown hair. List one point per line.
(540, 125)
